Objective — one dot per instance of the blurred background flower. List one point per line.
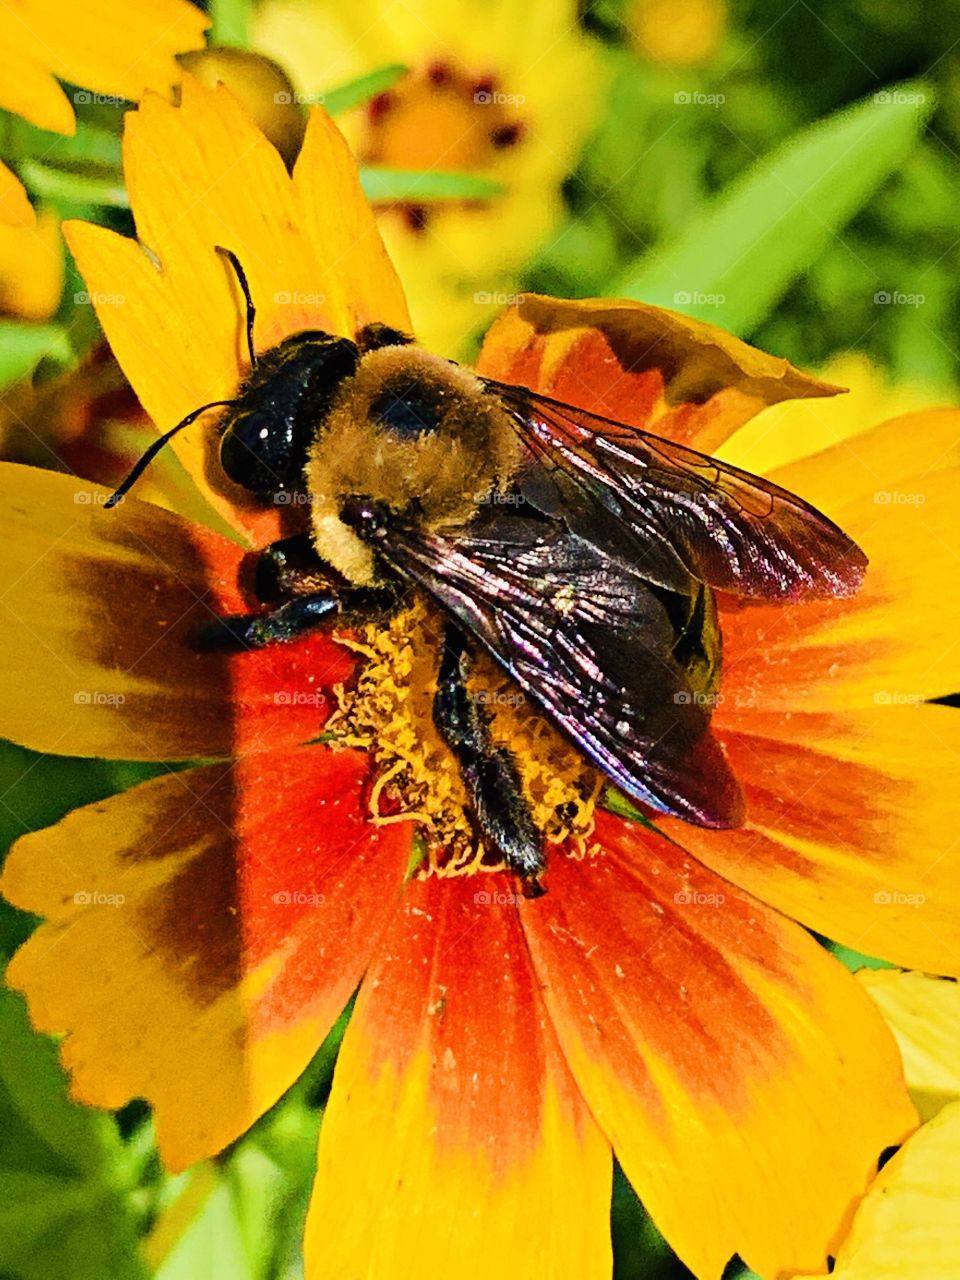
(504, 91)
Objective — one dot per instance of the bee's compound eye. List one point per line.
(259, 452)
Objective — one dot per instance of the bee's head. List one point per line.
(270, 425)
(411, 432)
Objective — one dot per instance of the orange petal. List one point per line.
(100, 613)
(117, 51)
(850, 780)
(678, 377)
(488, 1162)
(213, 923)
(15, 208)
(747, 1085)
(851, 828)
(203, 175)
(893, 489)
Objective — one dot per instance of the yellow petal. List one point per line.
(746, 1084)
(906, 1227)
(115, 50)
(213, 926)
(15, 208)
(455, 1143)
(31, 268)
(924, 1014)
(203, 175)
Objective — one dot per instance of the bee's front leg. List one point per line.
(488, 770)
(306, 594)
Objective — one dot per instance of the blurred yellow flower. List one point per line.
(31, 268)
(799, 428)
(504, 91)
(111, 49)
(677, 32)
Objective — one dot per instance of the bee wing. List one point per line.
(685, 510)
(589, 642)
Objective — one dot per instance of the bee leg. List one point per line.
(305, 594)
(488, 770)
(240, 631)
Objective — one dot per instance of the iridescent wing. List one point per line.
(678, 511)
(589, 641)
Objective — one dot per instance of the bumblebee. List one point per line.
(582, 554)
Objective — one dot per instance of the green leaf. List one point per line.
(23, 346)
(735, 261)
(412, 186)
(53, 183)
(356, 92)
(64, 1176)
(230, 21)
(90, 145)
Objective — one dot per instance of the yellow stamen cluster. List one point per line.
(388, 711)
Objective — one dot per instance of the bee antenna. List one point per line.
(244, 283)
(148, 456)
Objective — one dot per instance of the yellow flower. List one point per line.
(657, 1001)
(497, 89)
(108, 48)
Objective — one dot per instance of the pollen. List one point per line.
(387, 710)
